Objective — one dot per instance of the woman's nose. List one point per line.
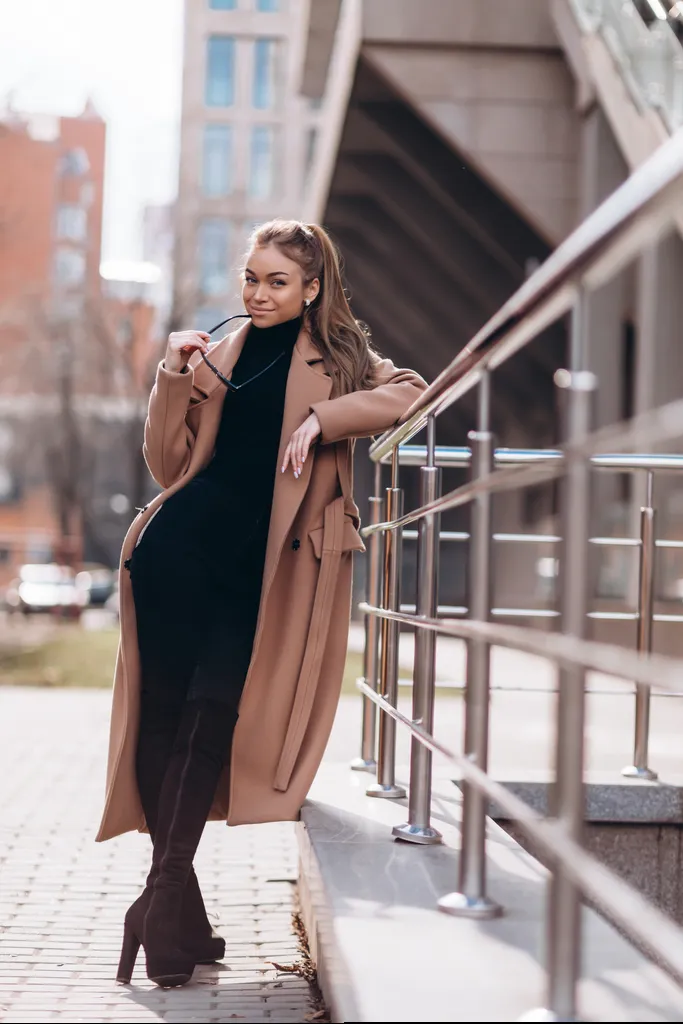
(260, 293)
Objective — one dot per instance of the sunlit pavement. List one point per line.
(63, 896)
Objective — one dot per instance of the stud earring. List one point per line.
(307, 302)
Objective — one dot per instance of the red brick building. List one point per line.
(64, 346)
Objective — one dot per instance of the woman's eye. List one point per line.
(250, 280)
(279, 283)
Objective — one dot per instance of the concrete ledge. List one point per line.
(609, 798)
(385, 953)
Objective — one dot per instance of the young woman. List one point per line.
(236, 579)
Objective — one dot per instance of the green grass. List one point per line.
(78, 657)
(70, 657)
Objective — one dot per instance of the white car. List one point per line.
(47, 588)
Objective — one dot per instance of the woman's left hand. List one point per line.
(299, 444)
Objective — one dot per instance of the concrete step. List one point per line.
(385, 953)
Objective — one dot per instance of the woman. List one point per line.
(237, 602)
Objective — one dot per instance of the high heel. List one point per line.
(129, 954)
(198, 939)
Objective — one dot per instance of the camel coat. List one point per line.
(293, 683)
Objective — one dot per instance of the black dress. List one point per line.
(197, 570)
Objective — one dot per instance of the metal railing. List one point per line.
(635, 216)
(646, 545)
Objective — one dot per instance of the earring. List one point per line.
(307, 302)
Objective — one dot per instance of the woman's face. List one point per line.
(273, 290)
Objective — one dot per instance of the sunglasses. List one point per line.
(222, 378)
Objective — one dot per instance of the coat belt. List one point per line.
(332, 547)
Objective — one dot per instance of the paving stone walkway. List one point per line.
(63, 896)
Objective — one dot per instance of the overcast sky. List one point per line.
(127, 56)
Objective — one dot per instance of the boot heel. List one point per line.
(129, 954)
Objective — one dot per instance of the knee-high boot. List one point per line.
(153, 755)
(200, 751)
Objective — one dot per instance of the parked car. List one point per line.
(47, 588)
(99, 581)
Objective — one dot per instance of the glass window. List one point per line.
(262, 153)
(72, 222)
(69, 266)
(214, 238)
(223, 5)
(265, 56)
(74, 163)
(267, 5)
(217, 169)
(220, 71)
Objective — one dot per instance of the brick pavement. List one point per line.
(63, 896)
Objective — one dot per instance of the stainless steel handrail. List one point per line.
(633, 217)
(650, 929)
(453, 457)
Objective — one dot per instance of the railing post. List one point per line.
(366, 762)
(564, 899)
(386, 787)
(646, 598)
(418, 828)
(471, 900)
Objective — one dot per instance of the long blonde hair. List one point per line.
(343, 341)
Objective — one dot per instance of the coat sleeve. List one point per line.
(168, 439)
(365, 413)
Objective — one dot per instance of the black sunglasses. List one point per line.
(222, 378)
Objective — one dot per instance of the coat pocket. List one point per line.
(350, 540)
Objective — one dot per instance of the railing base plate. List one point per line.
(459, 905)
(423, 835)
(382, 792)
(646, 774)
(359, 764)
(546, 1015)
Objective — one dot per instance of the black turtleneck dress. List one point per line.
(197, 570)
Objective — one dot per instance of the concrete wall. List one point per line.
(510, 112)
(505, 23)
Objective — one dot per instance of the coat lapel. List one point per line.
(306, 384)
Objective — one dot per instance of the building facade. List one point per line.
(74, 355)
(247, 143)
(51, 194)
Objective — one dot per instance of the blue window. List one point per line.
(267, 5)
(223, 5)
(218, 160)
(214, 239)
(220, 71)
(265, 55)
(261, 171)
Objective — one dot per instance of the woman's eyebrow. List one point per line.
(274, 273)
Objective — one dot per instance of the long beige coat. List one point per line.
(292, 687)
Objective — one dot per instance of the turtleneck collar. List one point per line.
(279, 335)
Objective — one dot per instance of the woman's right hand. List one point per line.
(181, 345)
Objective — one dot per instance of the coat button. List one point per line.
(296, 544)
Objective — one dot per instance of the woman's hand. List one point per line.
(180, 347)
(300, 442)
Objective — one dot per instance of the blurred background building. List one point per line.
(247, 142)
(73, 354)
